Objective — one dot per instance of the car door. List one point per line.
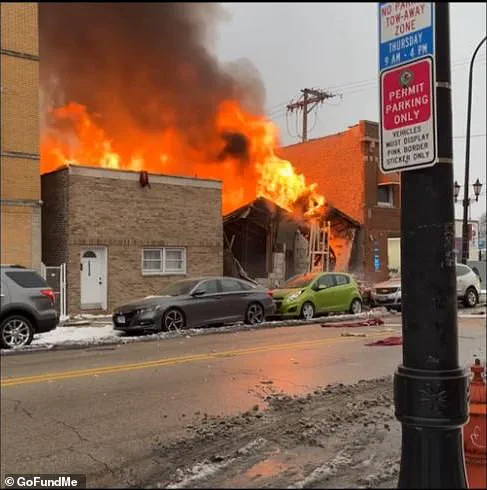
(462, 275)
(323, 296)
(343, 291)
(202, 308)
(234, 300)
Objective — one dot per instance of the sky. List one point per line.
(334, 46)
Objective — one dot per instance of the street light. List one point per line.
(456, 190)
(477, 187)
(467, 159)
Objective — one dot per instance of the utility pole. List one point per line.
(430, 388)
(311, 98)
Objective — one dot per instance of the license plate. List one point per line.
(121, 319)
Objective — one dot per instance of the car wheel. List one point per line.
(254, 314)
(471, 298)
(15, 332)
(307, 311)
(173, 320)
(356, 307)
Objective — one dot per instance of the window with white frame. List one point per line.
(166, 260)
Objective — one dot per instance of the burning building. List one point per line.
(269, 244)
(345, 168)
(142, 92)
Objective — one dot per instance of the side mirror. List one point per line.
(198, 292)
(315, 287)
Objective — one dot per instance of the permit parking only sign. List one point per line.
(408, 138)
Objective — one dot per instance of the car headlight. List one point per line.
(294, 296)
(149, 309)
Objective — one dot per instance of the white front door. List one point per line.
(93, 279)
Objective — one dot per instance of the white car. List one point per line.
(468, 285)
(388, 293)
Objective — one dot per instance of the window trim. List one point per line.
(390, 202)
(164, 271)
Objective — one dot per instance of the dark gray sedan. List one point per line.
(196, 302)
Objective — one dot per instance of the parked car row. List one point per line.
(27, 302)
(388, 293)
(222, 300)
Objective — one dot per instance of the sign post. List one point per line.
(430, 388)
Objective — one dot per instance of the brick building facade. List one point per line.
(20, 191)
(346, 168)
(121, 241)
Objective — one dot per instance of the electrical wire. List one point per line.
(287, 127)
(368, 84)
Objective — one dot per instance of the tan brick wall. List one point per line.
(16, 226)
(122, 216)
(20, 104)
(36, 238)
(19, 27)
(19, 133)
(20, 178)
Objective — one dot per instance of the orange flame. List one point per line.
(74, 137)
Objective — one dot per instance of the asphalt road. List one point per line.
(100, 411)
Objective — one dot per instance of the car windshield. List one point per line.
(179, 288)
(299, 281)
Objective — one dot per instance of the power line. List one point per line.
(307, 102)
(368, 84)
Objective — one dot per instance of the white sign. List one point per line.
(408, 138)
(408, 122)
(406, 32)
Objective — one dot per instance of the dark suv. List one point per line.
(26, 306)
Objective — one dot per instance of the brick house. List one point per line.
(20, 191)
(121, 240)
(346, 168)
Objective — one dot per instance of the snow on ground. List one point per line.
(85, 336)
(81, 336)
(62, 335)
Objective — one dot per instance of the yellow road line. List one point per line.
(54, 376)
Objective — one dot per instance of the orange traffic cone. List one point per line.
(474, 433)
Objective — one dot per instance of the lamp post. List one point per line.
(467, 159)
(430, 387)
(477, 189)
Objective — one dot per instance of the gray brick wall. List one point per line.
(122, 216)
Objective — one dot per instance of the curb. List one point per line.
(122, 340)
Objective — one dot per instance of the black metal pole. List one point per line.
(466, 201)
(430, 389)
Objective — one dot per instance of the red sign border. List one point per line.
(433, 116)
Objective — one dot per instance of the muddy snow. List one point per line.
(336, 437)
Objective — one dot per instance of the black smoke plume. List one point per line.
(146, 64)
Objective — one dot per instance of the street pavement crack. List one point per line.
(74, 429)
(19, 405)
(96, 460)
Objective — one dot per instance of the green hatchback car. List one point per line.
(313, 294)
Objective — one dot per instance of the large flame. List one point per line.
(242, 155)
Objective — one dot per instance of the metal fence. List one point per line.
(55, 276)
